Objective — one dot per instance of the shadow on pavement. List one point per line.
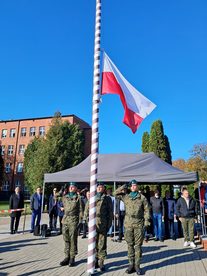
(2, 267)
(16, 245)
(38, 272)
(172, 257)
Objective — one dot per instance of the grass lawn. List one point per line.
(4, 205)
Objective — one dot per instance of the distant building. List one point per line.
(15, 135)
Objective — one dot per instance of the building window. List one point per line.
(5, 186)
(4, 133)
(21, 149)
(2, 150)
(10, 149)
(8, 168)
(12, 132)
(42, 131)
(32, 131)
(23, 131)
(17, 183)
(20, 167)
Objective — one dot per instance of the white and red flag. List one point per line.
(136, 106)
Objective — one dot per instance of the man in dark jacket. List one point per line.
(169, 216)
(53, 210)
(186, 210)
(36, 205)
(158, 211)
(16, 202)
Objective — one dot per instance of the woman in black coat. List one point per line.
(16, 202)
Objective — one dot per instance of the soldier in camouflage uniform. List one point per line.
(104, 216)
(137, 215)
(72, 212)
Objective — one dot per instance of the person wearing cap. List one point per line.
(137, 216)
(104, 216)
(73, 210)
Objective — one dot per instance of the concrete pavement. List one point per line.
(25, 254)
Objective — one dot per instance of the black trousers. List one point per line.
(15, 222)
(53, 219)
(121, 224)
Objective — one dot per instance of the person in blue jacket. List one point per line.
(53, 210)
(60, 212)
(36, 206)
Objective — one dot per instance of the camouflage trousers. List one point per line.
(70, 237)
(101, 243)
(134, 237)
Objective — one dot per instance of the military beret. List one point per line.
(100, 184)
(133, 181)
(73, 184)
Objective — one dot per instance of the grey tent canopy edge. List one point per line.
(146, 168)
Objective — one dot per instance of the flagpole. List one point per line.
(94, 144)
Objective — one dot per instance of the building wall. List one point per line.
(19, 141)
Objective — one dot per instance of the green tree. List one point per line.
(159, 144)
(168, 151)
(61, 149)
(145, 142)
(1, 167)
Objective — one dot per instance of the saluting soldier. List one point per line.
(73, 210)
(137, 216)
(104, 216)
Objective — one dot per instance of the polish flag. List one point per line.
(136, 106)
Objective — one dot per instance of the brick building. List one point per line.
(15, 135)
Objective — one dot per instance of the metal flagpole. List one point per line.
(94, 144)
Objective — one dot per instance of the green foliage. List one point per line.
(61, 149)
(1, 167)
(157, 143)
(168, 151)
(145, 142)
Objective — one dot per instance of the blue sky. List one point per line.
(46, 64)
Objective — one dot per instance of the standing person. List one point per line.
(73, 210)
(16, 202)
(158, 211)
(109, 193)
(169, 216)
(60, 212)
(186, 210)
(104, 216)
(53, 210)
(36, 206)
(85, 219)
(136, 218)
(120, 214)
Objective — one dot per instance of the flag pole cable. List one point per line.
(94, 143)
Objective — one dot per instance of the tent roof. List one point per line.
(145, 168)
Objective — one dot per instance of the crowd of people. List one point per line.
(128, 212)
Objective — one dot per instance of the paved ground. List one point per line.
(25, 254)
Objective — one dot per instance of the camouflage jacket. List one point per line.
(137, 210)
(73, 209)
(104, 213)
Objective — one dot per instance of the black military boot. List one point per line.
(65, 261)
(71, 262)
(101, 265)
(138, 270)
(96, 263)
(130, 269)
